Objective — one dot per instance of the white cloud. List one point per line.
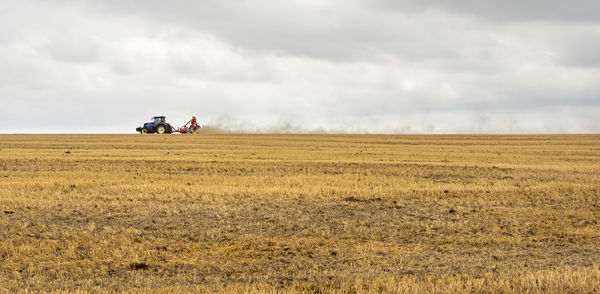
(298, 66)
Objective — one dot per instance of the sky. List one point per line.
(310, 66)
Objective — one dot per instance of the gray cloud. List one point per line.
(310, 66)
(507, 10)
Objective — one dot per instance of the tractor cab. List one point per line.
(158, 119)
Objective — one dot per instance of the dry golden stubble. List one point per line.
(299, 213)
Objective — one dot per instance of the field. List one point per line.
(300, 213)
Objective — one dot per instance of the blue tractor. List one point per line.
(157, 125)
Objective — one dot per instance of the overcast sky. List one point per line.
(372, 66)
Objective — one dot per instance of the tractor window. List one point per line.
(158, 120)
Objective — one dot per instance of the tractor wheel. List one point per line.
(144, 131)
(161, 129)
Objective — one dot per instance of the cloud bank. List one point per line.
(302, 66)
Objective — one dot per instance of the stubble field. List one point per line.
(300, 213)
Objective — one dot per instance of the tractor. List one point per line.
(160, 126)
(157, 125)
